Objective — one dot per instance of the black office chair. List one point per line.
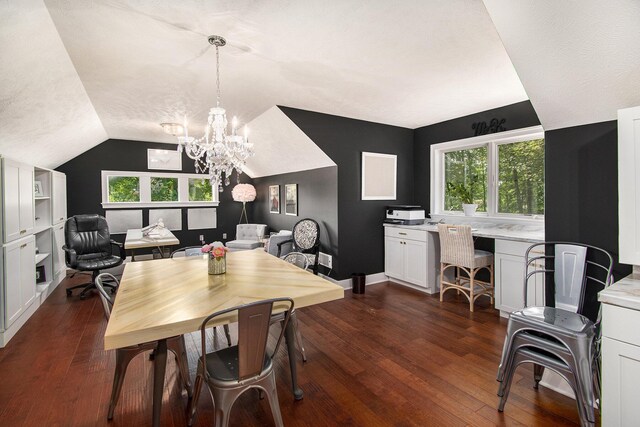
(88, 247)
(305, 239)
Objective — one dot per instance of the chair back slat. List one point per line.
(253, 331)
(298, 259)
(107, 300)
(456, 245)
(569, 276)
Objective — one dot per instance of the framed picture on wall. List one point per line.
(291, 199)
(274, 199)
(379, 176)
(164, 159)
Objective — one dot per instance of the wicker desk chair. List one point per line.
(457, 252)
(124, 355)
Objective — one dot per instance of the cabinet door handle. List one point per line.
(402, 234)
(23, 231)
(24, 245)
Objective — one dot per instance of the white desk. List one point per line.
(136, 240)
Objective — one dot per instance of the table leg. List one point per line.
(159, 368)
(133, 255)
(290, 340)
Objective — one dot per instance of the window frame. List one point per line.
(492, 142)
(145, 190)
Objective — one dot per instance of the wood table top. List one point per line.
(135, 240)
(166, 297)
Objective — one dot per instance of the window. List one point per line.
(502, 173)
(164, 189)
(200, 190)
(124, 189)
(154, 189)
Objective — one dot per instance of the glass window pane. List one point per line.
(164, 189)
(521, 177)
(124, 189)
(200, 190)
(465, 177)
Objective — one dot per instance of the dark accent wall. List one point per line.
(84, 187)
(359, 221)
(581, 189)
(317, 199)
(517, 116)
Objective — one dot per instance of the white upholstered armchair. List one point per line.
(248, 236)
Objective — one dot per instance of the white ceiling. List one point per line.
(407, 63)
(579, 61)
(46, 117)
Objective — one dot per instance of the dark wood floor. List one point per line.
(390, 357)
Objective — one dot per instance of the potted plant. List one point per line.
(463, 192)
(217, 254)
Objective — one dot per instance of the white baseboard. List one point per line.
(370, 279)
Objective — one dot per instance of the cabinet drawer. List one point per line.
(510, 247)
(406, 233)
(621, 323)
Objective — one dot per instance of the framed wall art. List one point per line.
(274, 199)
(379, 176)
(291, 199)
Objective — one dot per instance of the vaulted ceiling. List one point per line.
(75, 73)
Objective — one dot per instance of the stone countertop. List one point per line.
(517, 232)
(624, 293)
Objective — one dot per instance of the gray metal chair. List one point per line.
(232, 371)
(124, 355)
(193, 251)
(560, 338)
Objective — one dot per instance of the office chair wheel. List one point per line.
(69, 292)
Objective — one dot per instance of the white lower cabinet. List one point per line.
(19, 278)
(59, 266)
(407, 258)
(509, 278)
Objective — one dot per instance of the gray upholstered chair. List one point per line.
(248, 236)
(124, 355)
(275, 239)
(232, 371)
(559, 338)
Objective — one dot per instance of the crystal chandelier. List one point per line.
(217, 152)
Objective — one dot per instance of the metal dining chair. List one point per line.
(193, 251)
(124, 355)
(231, 371)
(298, 259)
(559, 338)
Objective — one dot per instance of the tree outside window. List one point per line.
(164, 189)
(521, 177)
(200, 190)
(124, 189)
(465, 173)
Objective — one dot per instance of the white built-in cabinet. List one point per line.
(17, 179)
(407, 258)
(509, 265)
(620, 366)
(629, 185)
(33, 235)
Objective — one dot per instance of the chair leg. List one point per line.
(223, 400)
(123, 357)
(538, 370)
(296, 328)
(471, 286)
(441, 280)
(193, 400)
(272, 396)
(178, 347)
(492, 285)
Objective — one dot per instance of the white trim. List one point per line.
(370, 279)
(491, 141)
(145, 190)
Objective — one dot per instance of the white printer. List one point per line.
(405, 215)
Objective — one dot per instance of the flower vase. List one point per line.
(217, 265)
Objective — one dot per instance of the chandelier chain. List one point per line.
(218, 75)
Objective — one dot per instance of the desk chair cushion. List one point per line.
(482, 258)
(223, 364)
(92, 263)
(243, 244)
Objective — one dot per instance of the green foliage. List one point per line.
(521, 177)
(200, 190)
(164, 189)
(124, 189)
(465, 173)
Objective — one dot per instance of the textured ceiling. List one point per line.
(46, 117)
(579, 61)
(407, 63)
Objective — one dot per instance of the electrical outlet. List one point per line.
(201, 238)
(326, 260)
(224, 235)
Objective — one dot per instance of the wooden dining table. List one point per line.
(158, 299)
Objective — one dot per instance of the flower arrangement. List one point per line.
(216, 250)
